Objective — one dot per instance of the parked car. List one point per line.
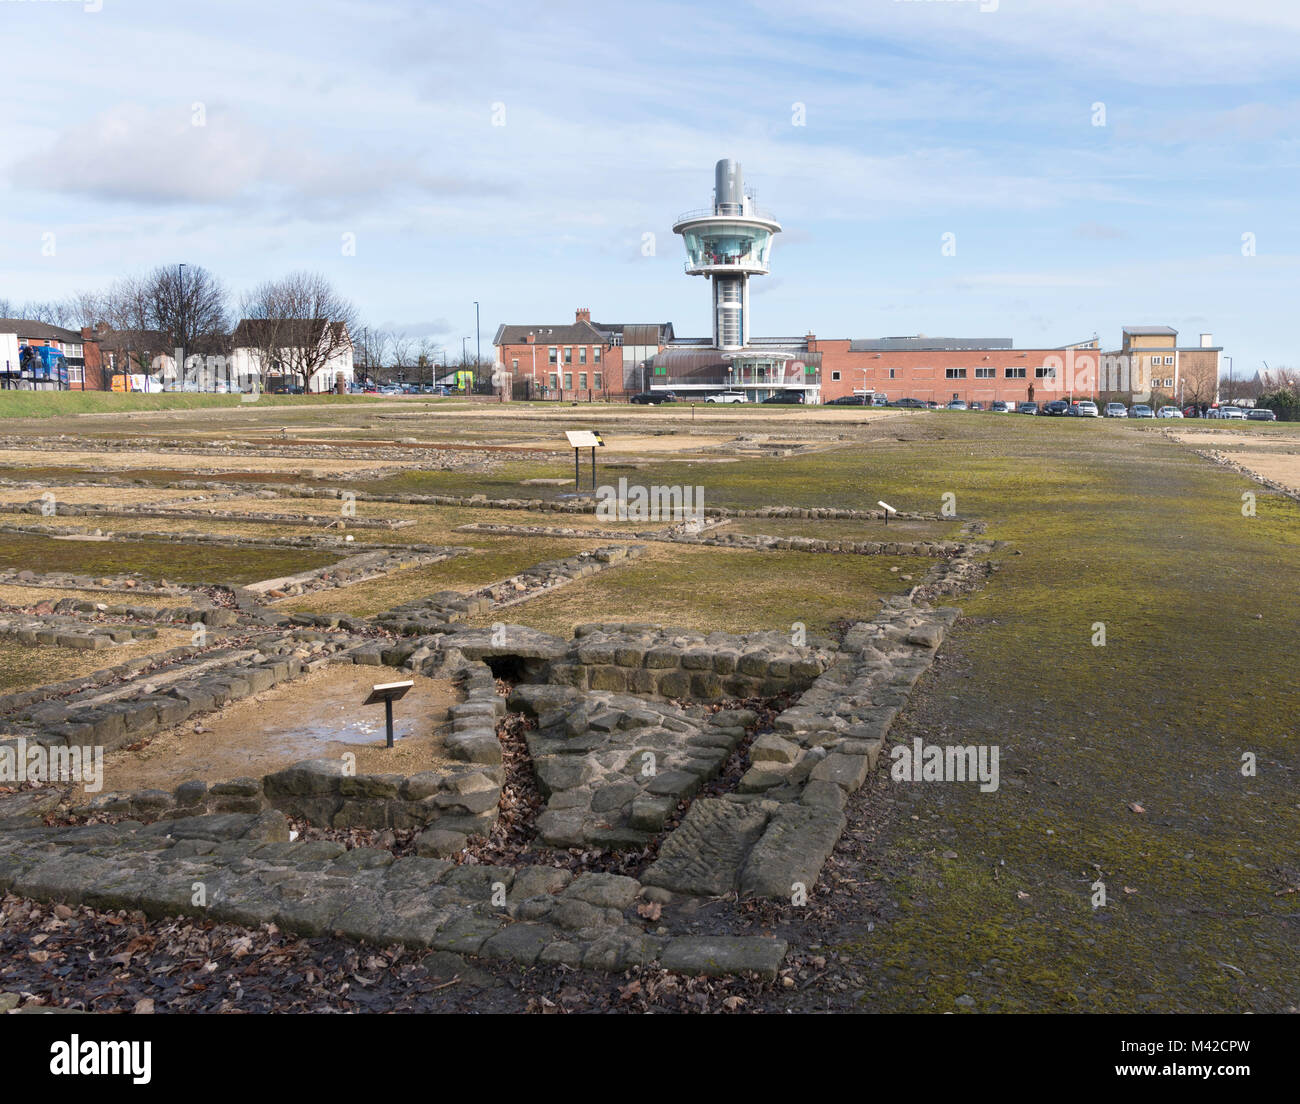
(879, 399)
(998, 406)
(1232, 412)
(653, 398)
(1261, 414)
(1084, 408)
(1027, 408)
(1141, 410)
(976, 405)
(788, 397)
(1056, 408)
(930, 404)
(849, 400)
(727, 397)
(957, 404)
(908, 404)
(1116, 410)
(1169, 412)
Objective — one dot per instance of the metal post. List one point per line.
(593, 469)
(388, 716)
(576, 485)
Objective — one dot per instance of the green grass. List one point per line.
(181, 563)
(1132, 531)
(51, 404)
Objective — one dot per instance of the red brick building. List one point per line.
(943, 369)
(580, 360)
(79, 348)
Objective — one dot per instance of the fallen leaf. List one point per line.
(143, 1007)
(1135, 807)
(650, 910)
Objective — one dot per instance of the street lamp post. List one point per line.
(180, 327)
(478, 343)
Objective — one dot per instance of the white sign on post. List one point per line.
(583, 438)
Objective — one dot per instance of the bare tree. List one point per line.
(190, 305)
(403, 352)
(297, 325)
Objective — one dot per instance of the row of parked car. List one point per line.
(1086, 408)
(655, 398)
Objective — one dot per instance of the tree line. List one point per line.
(189, 308)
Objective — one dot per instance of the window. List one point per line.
(568, 381)
(955, 373)
(986, 373)
(1169, 381)
(835, 375)
(893, 373)
(582, 355)
(75, 375)
(554, 381)
(551, 354)
(596, 382)
(582, 381)
(1013, 373)
(1169, 360)
(595, 355)
(514, 364)
(1044, 373)
(568, 355)
(73, 352)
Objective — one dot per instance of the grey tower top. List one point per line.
(728, 186)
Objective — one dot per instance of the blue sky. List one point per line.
(922, 118)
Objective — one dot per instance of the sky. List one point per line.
(1089, 164)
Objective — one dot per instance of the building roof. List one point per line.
(921, 343)
(1151, 331)
(132, 340)
(586, 333)
(286, 332)
(28, 327)
(572, 333)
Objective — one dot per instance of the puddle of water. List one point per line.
(318, 717)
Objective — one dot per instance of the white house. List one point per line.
(268, 353)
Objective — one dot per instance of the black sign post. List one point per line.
(388, 692)
(581, 439)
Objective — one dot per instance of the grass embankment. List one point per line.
(53, 404)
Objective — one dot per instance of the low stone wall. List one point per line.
(779, 828)
(68, 632)
(253, 873)
(114, 718)
(70, 509)
(637, 658)
(448, 607)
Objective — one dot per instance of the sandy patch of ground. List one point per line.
(1277, 466)
(1245, 437)
(319, 716)
(98, 496)
(114, 460)
(24, 596)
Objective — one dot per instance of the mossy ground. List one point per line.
(155, 560)
(1114, 524)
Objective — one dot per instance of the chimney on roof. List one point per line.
(531, 338)
(1207, 340)
(583, 314)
